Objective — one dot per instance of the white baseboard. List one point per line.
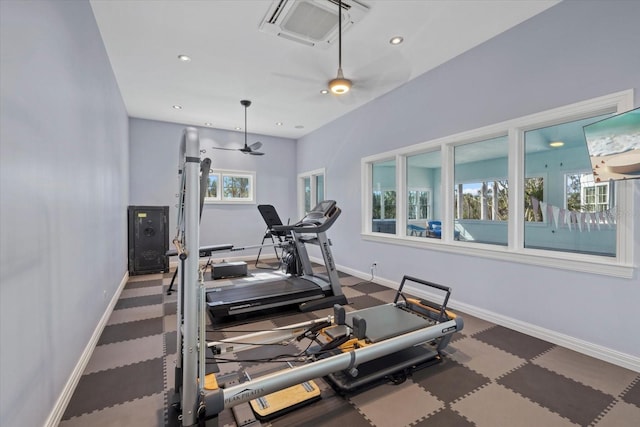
(597, 351)
(67, 392)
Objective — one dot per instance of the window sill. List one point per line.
(561, 260)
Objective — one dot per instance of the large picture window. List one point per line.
(520, 189)
(230, 187)
(565, 213)
(481, 206)
(424, 174)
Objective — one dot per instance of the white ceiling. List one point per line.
(233, 60)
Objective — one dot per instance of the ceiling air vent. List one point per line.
(311, 22)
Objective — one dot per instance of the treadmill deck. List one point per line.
(245, 297)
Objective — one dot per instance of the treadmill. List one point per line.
(310, 290)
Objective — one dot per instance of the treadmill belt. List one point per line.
(258, 291)
(388, 321)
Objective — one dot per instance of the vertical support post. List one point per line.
(190, 153)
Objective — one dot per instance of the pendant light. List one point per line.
(340, 85)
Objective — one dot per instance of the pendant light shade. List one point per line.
(339, 85)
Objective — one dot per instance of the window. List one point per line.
(423, 192)
(481, 195)
(311, 190)
(564, 214)
(533, 195)
(383, 197)
(212, 189)
(419, 204)
(517, 190)
(230, 187)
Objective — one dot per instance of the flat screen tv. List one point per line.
(614, 146)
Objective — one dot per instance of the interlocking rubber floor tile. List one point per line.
(369, 287)
(114, 355)
(136, 313)
(473, 325)
(497, 406)
(115, 386)
(622, 414)
(138, 301)
(449, 380)
(364, 301)
(445, 418)
(568, 398)
(633, 394)
(143, 283)
(595, 373)
(352, 292)
(385, 296)
(292, 319)
(131, 330)
(482, 358)
(514, 342)
(140, 292)
(146, 411)
(395, 405)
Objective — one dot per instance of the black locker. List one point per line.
(148, 239)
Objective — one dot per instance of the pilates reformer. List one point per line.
(346, 343)
(351, 351)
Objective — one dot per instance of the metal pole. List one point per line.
(277, 381)
(190, 152)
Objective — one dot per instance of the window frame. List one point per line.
(619, 266)
(221, 199)
(313, 182)
(429, 206)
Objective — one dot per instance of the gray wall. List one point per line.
(63, 177)
(569, 53)
(154, 179)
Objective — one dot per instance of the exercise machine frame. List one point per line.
(199, 405)
(310, 290)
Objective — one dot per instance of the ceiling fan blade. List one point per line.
(256, 153)
(227, 149)
(256, 145)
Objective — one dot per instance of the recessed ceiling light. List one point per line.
(324, 91)
(396, 40)
(238, 128)
(279, 124)
(556, 144)
(184, 58)
(207, 124)
(177, 107)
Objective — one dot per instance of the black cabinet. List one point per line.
(148, 239)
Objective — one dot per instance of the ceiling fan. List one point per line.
(247, 149)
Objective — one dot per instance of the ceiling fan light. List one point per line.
(340, 85)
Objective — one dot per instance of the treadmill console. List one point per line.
(318, 214)
(319, 219)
